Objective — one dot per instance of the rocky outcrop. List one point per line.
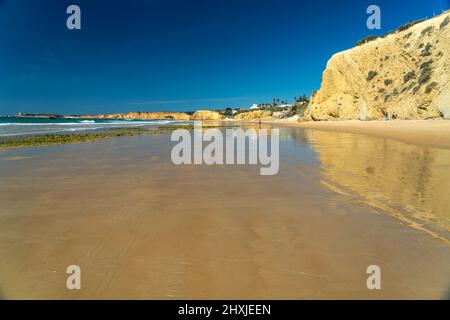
(406, 72)
(253, 115)
(206, 115)
(142, 116)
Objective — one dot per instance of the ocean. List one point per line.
(12, 126)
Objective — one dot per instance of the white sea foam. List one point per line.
(23, 128)
(84, 122)
(49, 131)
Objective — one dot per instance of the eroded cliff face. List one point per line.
(406, 72)
(253, 115)
(142, 116)
(206, 115)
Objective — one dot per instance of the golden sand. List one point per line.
(140, 227)
(428, 133)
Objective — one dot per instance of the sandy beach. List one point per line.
(140, 227)
(429, 133)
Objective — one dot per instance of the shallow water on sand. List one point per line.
(141, 227)
(410, 182)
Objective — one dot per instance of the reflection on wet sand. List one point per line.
(410, 182)
(140, 227)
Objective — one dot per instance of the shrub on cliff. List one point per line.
(409, 25)
(408, 76)
(424, 77)
(408, 35)
(228, 112)
(298, 108)
(366, 40)
(445, 22)
(426, 64)
(425, 72)
(403, 28)
(431, 86)
(371, 75)
(426, 51)
(427, 30)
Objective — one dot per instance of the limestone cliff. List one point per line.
(406, 72)
(142, 116)
(206, 115)
(253, 115)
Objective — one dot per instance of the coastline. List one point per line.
(433, 133)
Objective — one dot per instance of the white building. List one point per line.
(257, 106)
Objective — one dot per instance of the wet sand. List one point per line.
(142, 228)
(428, 133)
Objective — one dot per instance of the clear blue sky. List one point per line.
(177, 54)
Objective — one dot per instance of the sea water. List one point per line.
(13, 126)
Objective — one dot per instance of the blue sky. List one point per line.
(177, 55)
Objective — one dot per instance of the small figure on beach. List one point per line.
(386, 116)
(394, 115)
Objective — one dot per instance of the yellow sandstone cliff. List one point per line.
(406, 72)
(206, 115)
(142, 116)
(253, 115)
